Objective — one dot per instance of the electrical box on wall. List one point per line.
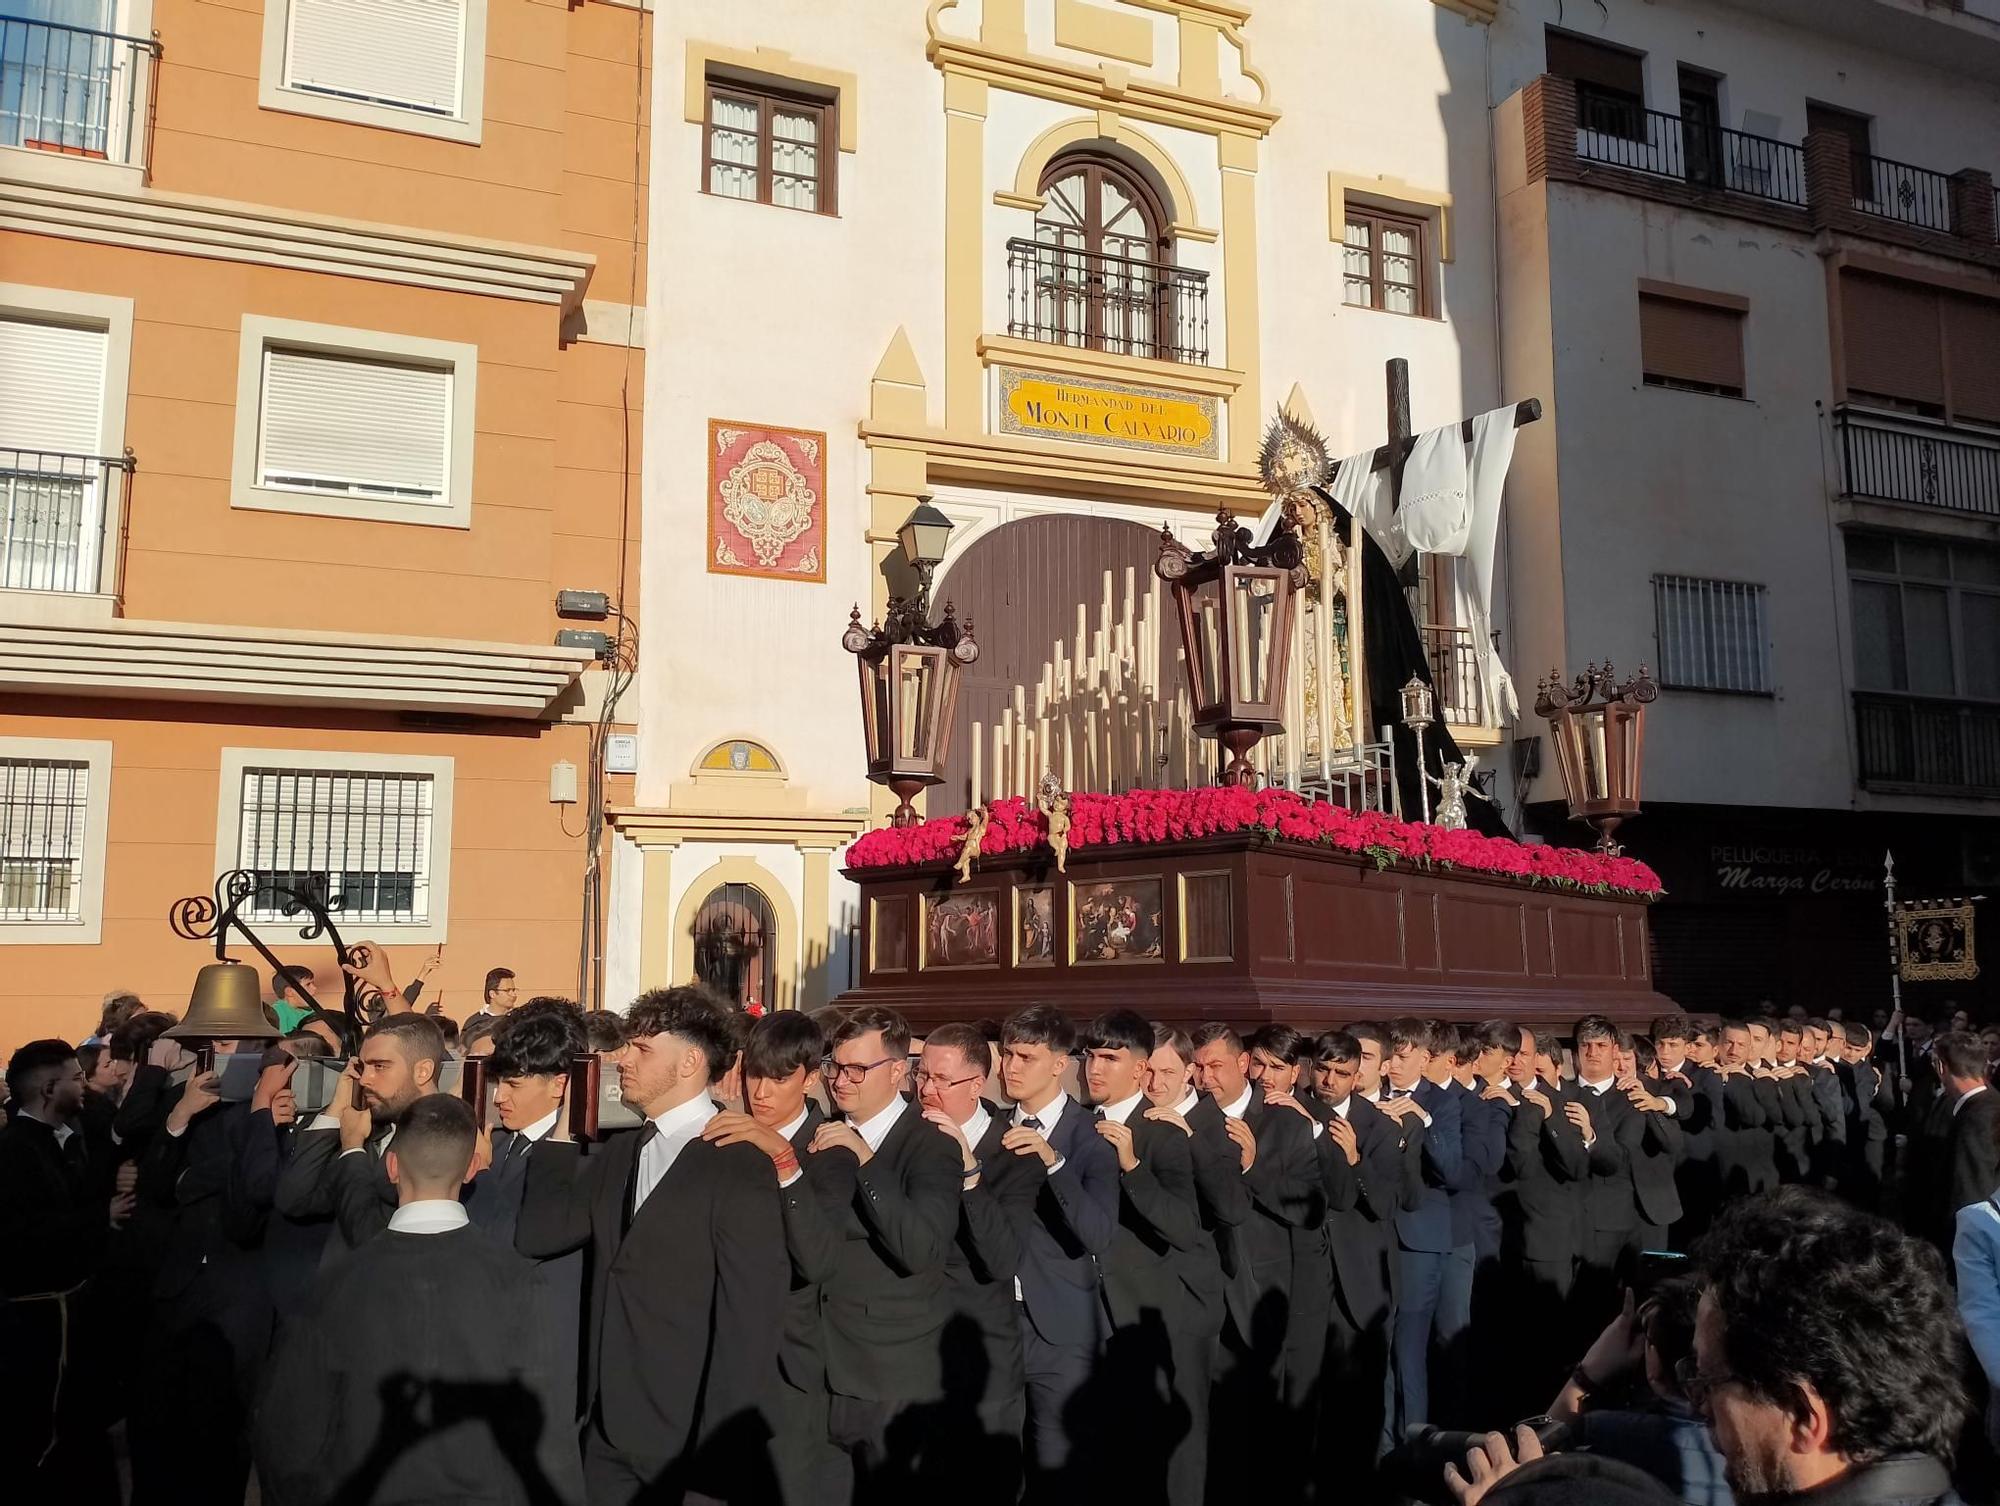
(562, 783)
(621, 753)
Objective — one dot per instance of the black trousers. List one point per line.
(810, 1469)
(1056, 1375)
(943, 1448)
(612, 1477)
(1354, 1394)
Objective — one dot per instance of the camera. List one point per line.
(1414, 1468)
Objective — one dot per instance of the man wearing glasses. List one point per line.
(891, 1183)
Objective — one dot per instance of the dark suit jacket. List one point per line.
(1744, 1151)
(1545, 1164)
(1281, 1246)
(555, 1287)
(1802, 1128)
(1609, 1202)
(1218, 1175)
(1974, 1160)
(1075, 1217)
(57, 1224)
(876, 1238)
(1361, 1202)
(354, 1191)
(1160, 1260)
(980, 1266)
(292, 1248)
(685, 1305)
(1483, 1139)
(403, 1382)
(801, 1359)
(1654, 1160)
(1436, 1163)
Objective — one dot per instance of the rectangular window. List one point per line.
(405, 54)
(769, 148)
(1610, 83)
(1855, 127)
(1691, 343)
(1712, 634)
(1926, 616)
(1383, 262)
(355, 428)
(44, 806)
(52, 382)
(360, 839)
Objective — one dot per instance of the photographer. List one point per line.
(1824, 1361)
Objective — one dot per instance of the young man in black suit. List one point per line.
(1075, 1217)
(1218, 1160)
(404, 1379)
(1608, 1210)
(1866, 1090)
(59, 1222)
(1274, 1331)
(533, 1048)
(982, 1343)
(1654, 1190)
(1362, 1164)
(1430, 1122)
(1745, 1151)
(882, 1189)
(1971, 1113)
(688, 1274)
(781, 1055)
(1162, 1285)
(337, 1168)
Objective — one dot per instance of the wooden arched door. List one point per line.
(1021, 586)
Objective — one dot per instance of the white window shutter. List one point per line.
(51, 387)
(398, 52)
(363, 428)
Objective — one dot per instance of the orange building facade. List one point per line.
(319, 379)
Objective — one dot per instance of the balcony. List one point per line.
(74, 93)
(1919, 462)
(1580, 134)
(1097, 301)
(1617, 134)
(1454, 659)
(1929, 745)
(53, 509)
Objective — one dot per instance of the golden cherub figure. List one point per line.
(1054, 802)
(976, 821)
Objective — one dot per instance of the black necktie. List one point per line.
(1101, 1116)
(648, 1133)
(1032, 1123)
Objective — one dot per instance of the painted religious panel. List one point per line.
(962, 930)
(766, 501)
(1034, 925)
(889, 934)
(1117, 920)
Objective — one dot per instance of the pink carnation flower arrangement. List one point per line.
(1141, 817)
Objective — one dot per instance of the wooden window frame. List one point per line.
(1377, 219)
(1731, 304)
(826, 177)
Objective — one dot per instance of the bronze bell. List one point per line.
(225, 1006)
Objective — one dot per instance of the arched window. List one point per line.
(735, 936)
(1104, 262)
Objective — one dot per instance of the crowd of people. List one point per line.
(1035, 1259)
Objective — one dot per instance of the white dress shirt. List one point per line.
(538, 1130)
(677, 1127)
(1047, 1116)
(1121, 1111)
(786, 1132)
(1970, 1092)
(1239, 1108)
(1187, 1105)
(62, 1132)
(874, 1131)
(429, 1216)
(975, 1128)
(1340, 1109)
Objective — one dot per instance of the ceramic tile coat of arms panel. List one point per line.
(766, 501)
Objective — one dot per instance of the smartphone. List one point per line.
(1653, 1267)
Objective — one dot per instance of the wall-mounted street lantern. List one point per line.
(909, 671)
(1598, 727)
(1235, 604)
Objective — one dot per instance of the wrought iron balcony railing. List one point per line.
(1920, 742)
(1918, 196)
(73, 91)
(1885, 457)
(1455, 671)
(1097, 301)
(53, 509)
(1620, 134)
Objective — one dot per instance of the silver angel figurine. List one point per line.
(1452, 790)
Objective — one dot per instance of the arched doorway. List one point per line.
(735, 942)
(1022, 586)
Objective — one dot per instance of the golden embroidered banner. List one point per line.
(1106, 412)
(1935, 942)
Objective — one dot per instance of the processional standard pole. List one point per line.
(1896, 978)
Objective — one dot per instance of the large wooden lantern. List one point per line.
(1235, 605)
(909, 669)
(1599, 730)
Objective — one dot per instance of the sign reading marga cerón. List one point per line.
(1105, 412)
